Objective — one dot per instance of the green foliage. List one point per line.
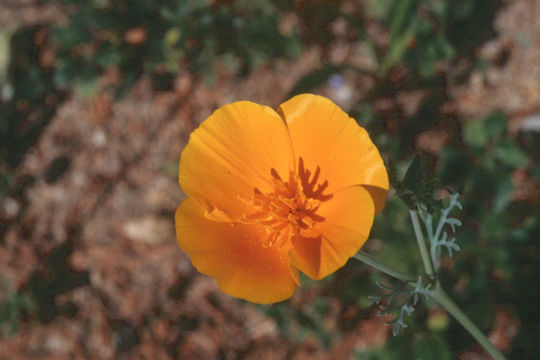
(409, 298)
(58, 277)
(33, 101)
(13, 309)
(164, 36)
(425, 33)
(418, 185)
(493, 229)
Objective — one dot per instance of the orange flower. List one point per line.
(271, 193)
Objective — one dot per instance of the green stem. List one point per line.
(428, 267)
(440, 296)
(371, 261)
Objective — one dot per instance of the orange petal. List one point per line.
(231, 154)
(234, 256)
(327, 246)
(323, 135)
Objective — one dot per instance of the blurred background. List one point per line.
(98, 98)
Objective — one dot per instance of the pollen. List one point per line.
(292, 205)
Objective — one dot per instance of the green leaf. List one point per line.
(505, 187)
(397, 49)
(88, 86)
(509, 154)
(438, 7)
(430, 347)
(364, 114)
(403, 30)
(413, 178)
(495, 125)
(5, 54)
(379, 9)
(536, 173)
(209, 77)
(401, 14)
(474, 134)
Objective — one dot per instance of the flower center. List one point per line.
(292, 205)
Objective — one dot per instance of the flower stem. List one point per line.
(428, 267)
(371, 261)
(440, 296)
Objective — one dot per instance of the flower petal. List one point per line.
(234, 256)
(231, 154)
(323, 135)
(327, 247)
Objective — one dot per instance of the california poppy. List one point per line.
(272, 193)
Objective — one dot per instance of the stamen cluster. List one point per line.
(292, 205)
